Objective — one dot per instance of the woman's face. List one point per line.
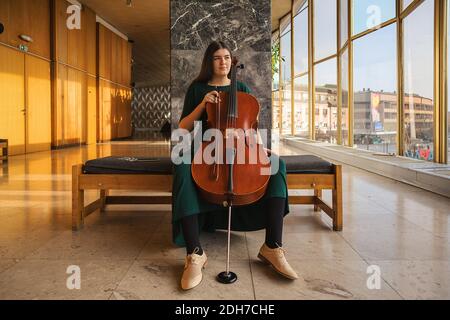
(222, 62)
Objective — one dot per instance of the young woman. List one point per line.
(191, 213)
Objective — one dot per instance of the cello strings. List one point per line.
(217, 152)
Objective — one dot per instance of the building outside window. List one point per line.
(374, 87)
(301, 61)
(418, 33)
(285, 74)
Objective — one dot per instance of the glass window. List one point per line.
(368, 14)
(344, 21)
(276, 110)
(344, 97)
(286, 98)
(325, 123)
(285, 24)
(418, 108)
(374, 85)
(275, 64)
(325, 28)
(406, 3)
(301, 106)
(299, 5)
(285, 52)
(301, 42)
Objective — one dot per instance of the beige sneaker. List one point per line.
(275, 258)
(192, 274)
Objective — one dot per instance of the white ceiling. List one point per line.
(147, 22)
(279, 9)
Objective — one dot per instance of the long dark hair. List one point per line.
(207, 69)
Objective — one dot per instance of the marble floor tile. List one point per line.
(85, 245)
(396, 245)
(165, 225)
(417, 279)
(365, 206)
(47, 279)
(106, 222)
(161, 246)
(438, 222)
(215, 244)
(364, 222)
(21, 220)
(320, 279)
(160, 279)
(19, 245)
(304, 246)
(312, 223)
(7, 263)
(399, 202)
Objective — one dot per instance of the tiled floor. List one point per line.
(127, 253)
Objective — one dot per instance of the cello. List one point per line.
(235, 176)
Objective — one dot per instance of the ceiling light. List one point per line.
(26, 38)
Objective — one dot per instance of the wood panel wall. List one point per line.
(30, 18)
(92, 109)
(75, 64)
(25, 103)
(38, 104)
(77, 47)
(114, 88)
(72, 87)
(114, 55)
(12, 103)
(25, 82)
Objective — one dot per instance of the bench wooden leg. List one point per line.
(77, 199)
(317, 194)
(337, 200)
(4, 154)
(103, 195)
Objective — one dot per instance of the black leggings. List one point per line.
(274, 226)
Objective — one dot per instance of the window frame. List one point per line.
(441, 80)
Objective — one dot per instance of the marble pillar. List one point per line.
(245, 25)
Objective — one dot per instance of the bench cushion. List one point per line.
(129, 165)
(138, 165)
(307, 164)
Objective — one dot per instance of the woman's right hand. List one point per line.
(211, 97)
(188, 121)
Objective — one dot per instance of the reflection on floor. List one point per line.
(127, 253)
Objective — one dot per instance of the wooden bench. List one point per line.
(155, 175)
(4, 150)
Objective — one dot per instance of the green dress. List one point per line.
(187, 201)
